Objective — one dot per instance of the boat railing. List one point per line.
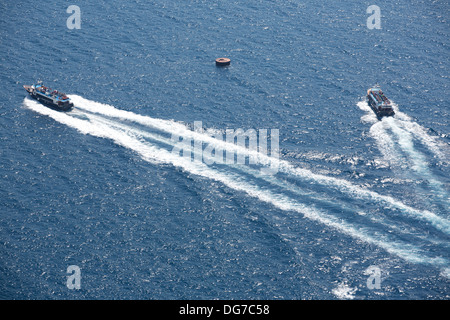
(51, 93)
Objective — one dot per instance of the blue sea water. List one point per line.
(100, 188)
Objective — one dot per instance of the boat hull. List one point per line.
(380, 111)
(48, 102)
(379, 103)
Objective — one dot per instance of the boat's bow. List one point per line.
(29, 89)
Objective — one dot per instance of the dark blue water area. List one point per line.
(141, 229)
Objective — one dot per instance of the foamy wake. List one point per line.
(182, 130)
(439, 148)
(111, 127)
(344, 291)
(396, 138)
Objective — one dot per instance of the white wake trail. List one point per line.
(154, 154)
(341, 185)
(438, 148)
(402, 152)
(387, 146)
(419, 162)
(127, 128)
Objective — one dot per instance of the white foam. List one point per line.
(419, 162)
(386, 145)
(445, 273)
(344, 291)
(256, 173)
(154, 154)
(283, 166)
(438, 148)
(403, 154)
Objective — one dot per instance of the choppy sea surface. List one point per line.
(356, 208)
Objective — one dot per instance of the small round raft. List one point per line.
(222, 62)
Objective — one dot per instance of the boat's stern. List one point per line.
(379, 103)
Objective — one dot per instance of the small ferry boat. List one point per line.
(49, 97)
(379, 103)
